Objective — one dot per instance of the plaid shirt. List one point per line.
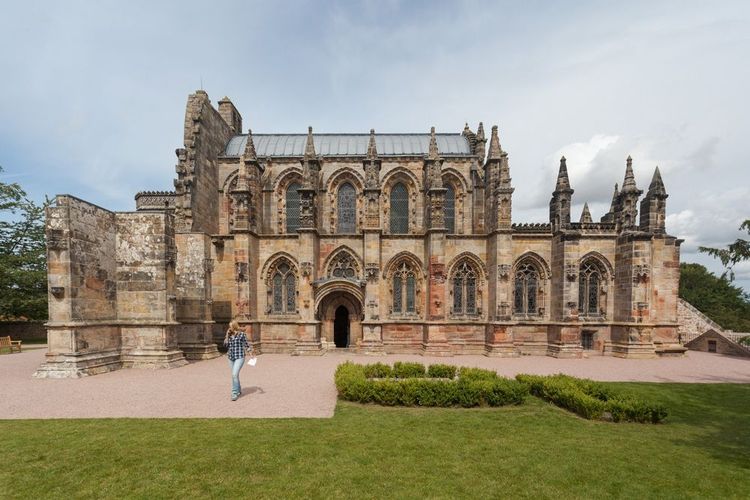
(237, 344)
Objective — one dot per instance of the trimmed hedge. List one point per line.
(592, 400)
(438, 386)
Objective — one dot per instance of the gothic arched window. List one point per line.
(399, 209)
(343, 266)
(464, 289)
(526, 290)
(346, 209)
(283, 290)
(450, 209)
(589, 283)
(292, 207)
(404, 290)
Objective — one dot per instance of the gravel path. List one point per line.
(289, 386)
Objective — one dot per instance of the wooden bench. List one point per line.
(7, 343)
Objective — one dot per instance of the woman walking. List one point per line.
(237, 344)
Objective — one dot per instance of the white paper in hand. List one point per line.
(252, 361)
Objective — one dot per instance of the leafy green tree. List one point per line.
(23, 259)
(715, 297)
(732, 254)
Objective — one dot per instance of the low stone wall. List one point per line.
(26, 331)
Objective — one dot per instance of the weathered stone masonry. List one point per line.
(373, 242)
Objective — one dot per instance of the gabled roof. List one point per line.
(293, 145)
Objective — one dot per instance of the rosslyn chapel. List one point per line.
(375, 243)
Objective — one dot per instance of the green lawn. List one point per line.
(535, 450)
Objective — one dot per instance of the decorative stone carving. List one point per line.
(240, 272)
(208, 265)
(641, 273)
(437, 272)
(503, 271)
(372, 271)
(571, 272)
(306, 269)
(57, 291)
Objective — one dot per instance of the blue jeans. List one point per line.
(236, 366)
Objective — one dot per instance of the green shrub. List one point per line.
(468, 373)
(591, 399)
(441, 371)
(478, 389)
(378, 370)
(402, 369)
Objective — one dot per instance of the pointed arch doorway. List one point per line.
(340, 314)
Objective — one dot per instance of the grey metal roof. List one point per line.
(279, 145)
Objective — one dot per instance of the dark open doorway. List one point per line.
(341, 327)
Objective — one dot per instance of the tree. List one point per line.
(732, 254)
(715, 297)
(23, 260)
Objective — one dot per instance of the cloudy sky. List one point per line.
(93, 93)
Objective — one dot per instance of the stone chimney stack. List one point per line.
(230, 115)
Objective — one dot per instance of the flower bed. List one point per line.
(593, 400)
(410, 384)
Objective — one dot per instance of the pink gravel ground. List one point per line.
(289, 386)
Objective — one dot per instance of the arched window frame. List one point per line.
(282, 286)
(593, 284)
(414, 190)
(526, 265)
(284, 181)
(401, 268)
(343, 263)
(466, 286)
(335, 182)
(449, 208)
(454, 180)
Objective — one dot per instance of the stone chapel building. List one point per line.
(379, 243)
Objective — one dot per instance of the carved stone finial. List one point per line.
(310, 145)
(496, 151)
(433, 153)
(657, 185)
(372, 149)
(586, 215)
(480, 132)
(249, 153)
(628, 185)
(563, 183)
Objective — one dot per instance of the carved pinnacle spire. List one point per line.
(467, 130)
(657, 185)
(480, 132)
(310, 145)
(249, 153)
(372, 149)
(495, 150)
(433, 153)
(613, 205)
(586, 215)
(563, 183)
(628, 185)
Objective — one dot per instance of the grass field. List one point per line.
(535, 450)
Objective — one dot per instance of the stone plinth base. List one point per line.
(76, 365)
(634, 350)
(437, 348)
(308, 348)
(501, 351)
(565, 350)
(198, 351)
(667, 350)
(153, 360)
(371, 347)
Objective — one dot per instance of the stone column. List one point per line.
(564, 336)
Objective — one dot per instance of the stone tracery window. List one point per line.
(404, 289)
(283, 289)
(526, 290)
(464, 286)
(399, 223)
(590, 281)
(344, 265)
(347, 209)
(450, 208)
(292, 207)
